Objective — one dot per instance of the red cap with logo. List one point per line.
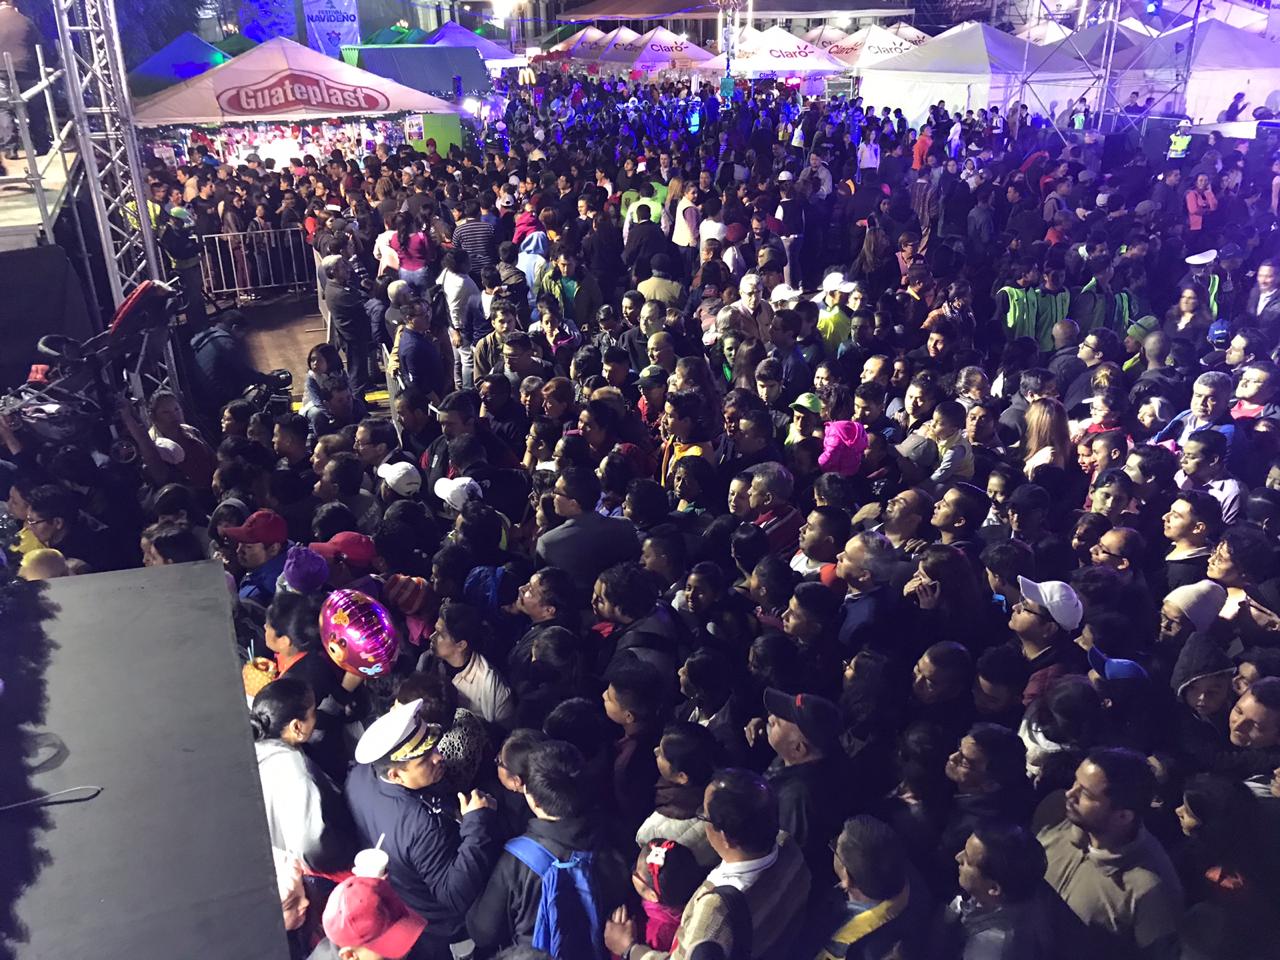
(354, 549)
(366, 912)
(263, 526)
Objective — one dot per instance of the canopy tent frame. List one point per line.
(1105, 73)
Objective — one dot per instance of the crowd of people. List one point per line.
(807, 535)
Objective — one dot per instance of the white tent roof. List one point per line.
(776, 52)
(1217, 46)
(282, 80)
(659, 49)
(1046, 31)
(824, 36)
(449, 34)
(589, 49)
(978, 49)
(588, 34)
(909, 33)
(869, 45)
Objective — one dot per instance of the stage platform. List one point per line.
(20, 225)
(172, 860)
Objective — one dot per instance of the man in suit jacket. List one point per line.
(1263, 304)
(587, 542)
(644, 242)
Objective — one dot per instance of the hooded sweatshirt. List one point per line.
(533, 257)
(843, 444)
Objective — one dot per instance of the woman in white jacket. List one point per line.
(304, 808)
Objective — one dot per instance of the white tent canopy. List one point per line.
(280, 80)
(1224, 60)
(824, 36)
(974, 65)
(775, 52)
(908, 33)
(586, 34)
(869, 45)
(659, 49)
(1045, 31)
(451, 35)
(591, 49)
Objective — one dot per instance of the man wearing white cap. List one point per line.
(834, 322)
(437, 863)
(1044, 621)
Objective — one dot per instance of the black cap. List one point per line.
(817, 717)
(1029, 496)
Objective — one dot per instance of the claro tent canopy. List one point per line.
(186, 57)
(868, 46)
(659, 49)
(589, 48)
(974, 65)
(774, 52)
(824, 36)
(452, 35)
(280, 80)
(588, 34)
(908, 33)
(1224, 60)
(764, 10)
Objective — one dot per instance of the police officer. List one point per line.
(437, 863)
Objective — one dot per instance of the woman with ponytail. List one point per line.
(305, 811)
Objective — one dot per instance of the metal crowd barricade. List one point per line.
(250, 265)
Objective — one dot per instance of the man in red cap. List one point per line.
(261, 547)
(366, 920)
(351, 556)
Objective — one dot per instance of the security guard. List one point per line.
(1180, 141)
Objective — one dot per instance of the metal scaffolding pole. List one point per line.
(98, 99)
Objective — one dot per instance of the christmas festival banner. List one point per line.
(331, 24)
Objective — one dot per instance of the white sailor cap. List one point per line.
(1201, 259)
(400, 734)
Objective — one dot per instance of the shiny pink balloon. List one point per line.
(358, 633)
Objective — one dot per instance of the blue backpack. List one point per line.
(569, 925)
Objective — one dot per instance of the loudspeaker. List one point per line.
(42, 294)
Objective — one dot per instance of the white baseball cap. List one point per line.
(457, 491)
(782, 292)
(1056, 597)
(833, 282)
(785, 175)
(404, 478)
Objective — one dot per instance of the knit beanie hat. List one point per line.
(1200, 657)
(407, 594)
(305, 571)
(1201, 602)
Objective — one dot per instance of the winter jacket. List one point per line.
(438, 864)
(506, 911)
(691, 833)
(843, 444)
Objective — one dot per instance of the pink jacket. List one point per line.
(843, 444)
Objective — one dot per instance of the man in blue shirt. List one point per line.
(417, 353)
(261, 547)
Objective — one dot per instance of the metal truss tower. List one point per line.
(98, 100)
